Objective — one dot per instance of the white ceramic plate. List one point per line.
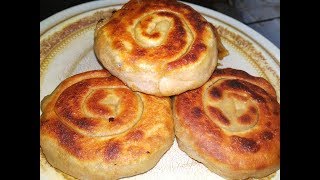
(66, 41)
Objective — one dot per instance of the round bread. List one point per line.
(159, 47)
(94, 127)
(231, 125)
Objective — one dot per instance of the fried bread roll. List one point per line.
(94, 127)
(159, 47)
(231, 125)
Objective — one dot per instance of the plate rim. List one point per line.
(57, 18)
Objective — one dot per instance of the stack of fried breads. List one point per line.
(160, 81)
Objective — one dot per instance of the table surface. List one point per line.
(261, 15)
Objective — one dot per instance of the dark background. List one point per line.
(261, 15)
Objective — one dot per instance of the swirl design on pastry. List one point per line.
(231, 124)
(95, 127)
(158, 47)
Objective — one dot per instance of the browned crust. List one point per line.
(175, 41)
(64, 126)
(251, 153)
(239, 74)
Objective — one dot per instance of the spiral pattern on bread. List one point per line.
(231, 124)
(158, 47)
(95, 127)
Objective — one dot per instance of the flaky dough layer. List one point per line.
(159, 47)
(231, 125)
(95, 127)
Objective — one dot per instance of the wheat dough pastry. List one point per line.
(159, 47)
(231, 125)
(94, 127)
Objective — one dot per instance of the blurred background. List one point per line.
(261, 15)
